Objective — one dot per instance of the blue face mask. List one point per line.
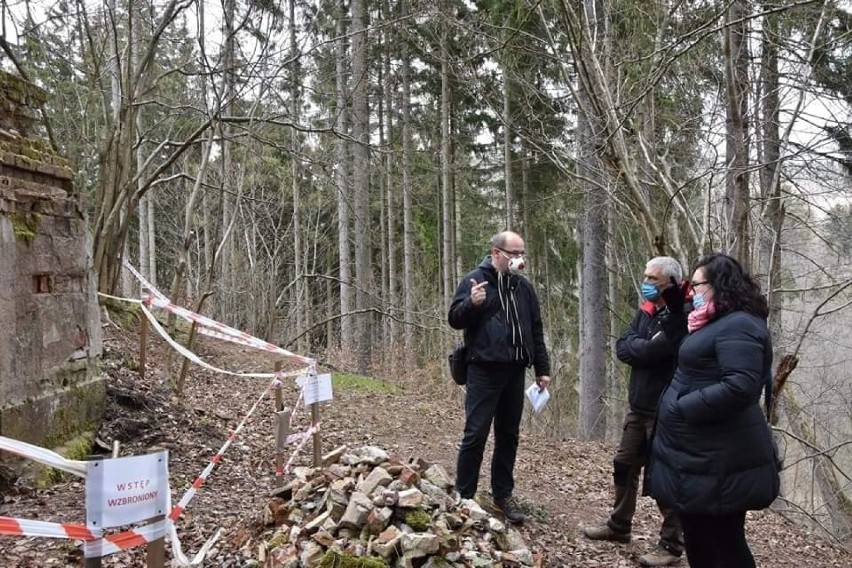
(649, 291)
(698, 300)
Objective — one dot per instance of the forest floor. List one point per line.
(564, 484)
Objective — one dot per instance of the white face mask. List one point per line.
(516, 264)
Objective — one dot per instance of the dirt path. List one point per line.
(564, 484)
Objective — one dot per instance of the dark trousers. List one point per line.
(716, 541)
(631, 457)
(495, 393)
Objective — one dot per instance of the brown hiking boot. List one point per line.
(660, 556)
(603, 532)
(511, 509)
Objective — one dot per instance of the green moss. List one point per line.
(48, 476)
(279, 539)
(77, 449)
(17, 88)
(125, 314)
(25, 225)
(66, 421)
(31, 153)
(361, 383)
(418, 519)
(335, 559)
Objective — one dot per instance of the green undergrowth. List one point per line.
(346, 381)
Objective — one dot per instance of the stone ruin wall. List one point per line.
(50, 342)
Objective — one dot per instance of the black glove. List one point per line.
(673, 297)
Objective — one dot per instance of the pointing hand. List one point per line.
(477, 292)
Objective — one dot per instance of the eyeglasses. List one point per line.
(512, 253)
(696, 284)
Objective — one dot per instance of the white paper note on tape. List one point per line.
(317, 388)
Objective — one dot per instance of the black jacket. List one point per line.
(712, 452)
(649, 346)
(486, 331)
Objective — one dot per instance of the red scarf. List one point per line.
(700, 317)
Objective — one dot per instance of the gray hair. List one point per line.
(670, 267)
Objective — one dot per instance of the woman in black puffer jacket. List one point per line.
(712, 456)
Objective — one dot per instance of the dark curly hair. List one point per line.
(733, 288)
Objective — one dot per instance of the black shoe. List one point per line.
(511, 509)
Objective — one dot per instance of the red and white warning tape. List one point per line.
(179, 558)
(229, 333)
(96, 545)
(307, 436)
(178, 509)
(197, 360)
(125, 540)
(26, 527)
(145, 284)
(210, 326)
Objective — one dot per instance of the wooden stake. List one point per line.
(317, 438)
(155, 552)
(282, 429)
(143, 342)
(279, 400)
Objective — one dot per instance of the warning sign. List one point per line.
(127, 490)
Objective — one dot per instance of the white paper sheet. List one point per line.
(538, 398)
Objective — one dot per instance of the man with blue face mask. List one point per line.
(499, 312)
(649, 346)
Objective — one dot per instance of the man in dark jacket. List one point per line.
(649, 346)
(499, 312)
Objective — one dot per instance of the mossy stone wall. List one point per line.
(51, 389)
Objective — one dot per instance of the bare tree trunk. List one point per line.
(147, 235)
(384, 196)
(117, 193)
(361, 186)
(446, 162)
(507, 150)
(407, 222)
(227, 282)
(738, 238)
(770, 154)
(616, 410)
(116, 160)
(392, 204)
(593, 289)
(347, 335)
(298, 293)
(526, 226)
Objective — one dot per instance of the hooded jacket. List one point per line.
(487, 329)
